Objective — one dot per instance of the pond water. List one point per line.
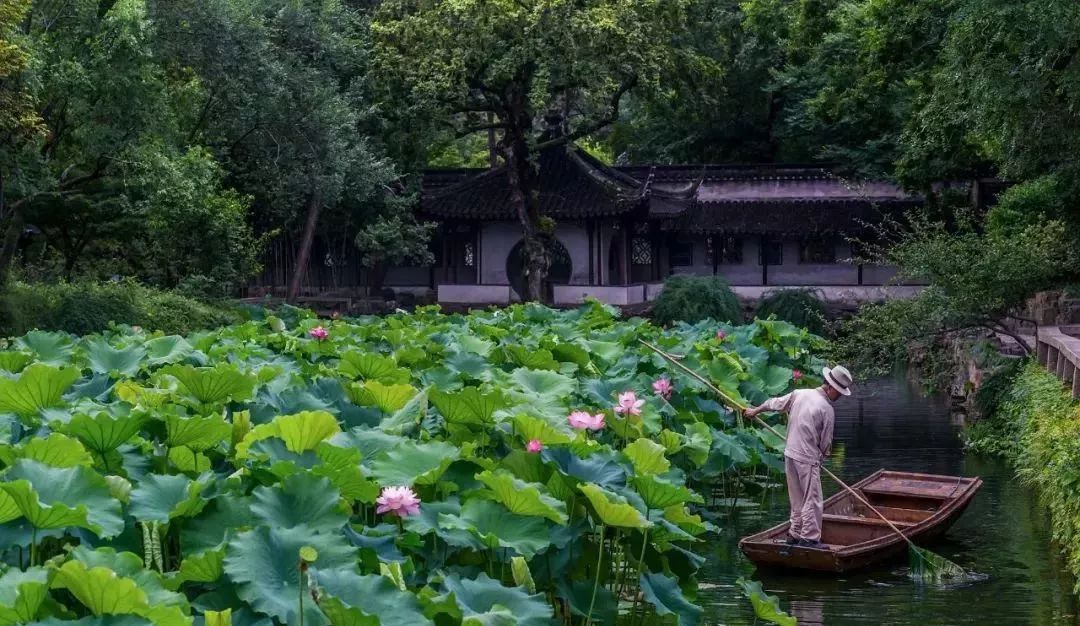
(1004, 534)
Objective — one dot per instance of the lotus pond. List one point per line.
(521, 466)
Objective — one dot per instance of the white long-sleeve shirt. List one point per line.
(810, 423)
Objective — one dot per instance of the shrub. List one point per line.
(694, 298)
(798, 306)
(87, 307)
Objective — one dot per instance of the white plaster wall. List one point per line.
(497, 239)
(576, 294)
(474, 294)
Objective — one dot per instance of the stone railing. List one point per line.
(1059, 352)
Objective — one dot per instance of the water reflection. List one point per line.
(1004, 534)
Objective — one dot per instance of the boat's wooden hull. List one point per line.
(924, 506)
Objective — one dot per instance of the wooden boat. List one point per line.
(922, 506)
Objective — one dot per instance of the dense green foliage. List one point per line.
(161, 477)
(84, 307)
(696, 298)
(801, 307)
(1037, 427)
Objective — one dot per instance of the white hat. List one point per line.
(839, 378)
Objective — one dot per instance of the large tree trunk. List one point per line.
(304, 254)
(11, 235)
(523, 195)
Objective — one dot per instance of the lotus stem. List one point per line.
(640, 565)
(596, 579)
(33, 546)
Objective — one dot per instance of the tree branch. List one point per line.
(607, 120)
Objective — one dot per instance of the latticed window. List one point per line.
(640, 251)
(468, 254)
(771, 252)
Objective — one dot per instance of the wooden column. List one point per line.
(624, 258)
(589, 233)
(763, 255)
(478, 256)
(713, 239)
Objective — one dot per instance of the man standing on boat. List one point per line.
(809, 440)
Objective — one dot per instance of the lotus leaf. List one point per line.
(55, 497)
(21, 594)
(355, 599)
(647, 457)
(411, 463)
(263, 562)
(766, 607)
(612, 508)
(523, 498)
(387, 398)
(163, 497)
(105, 359)
(484, 602)
(371, 366)
(663, 593)
(468, 406)
(38, 387)
(103, 432)
(496, 527)
(212, 385)
(302, 499)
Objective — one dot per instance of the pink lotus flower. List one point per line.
(581, 420)
(319, 333)
(534, 446)
(629, 403)
(796, 375)
(720, 335)
(663, 388)
(400, 501)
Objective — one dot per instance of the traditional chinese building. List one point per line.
(620, 231)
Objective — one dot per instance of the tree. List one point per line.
(393, 240)
(546, 72)
(282, 108)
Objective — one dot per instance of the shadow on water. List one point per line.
(1004, 534)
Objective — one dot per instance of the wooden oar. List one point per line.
(925, 564)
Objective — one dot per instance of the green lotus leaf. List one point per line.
(372, 366)
(407, 417)
(21, 594)
(519, 568)
(101, 590)
(663, 593)
(50, 348)
(105, 359)
(302, 499)
(301, 431)
(469, 365)
(14, 362)
(9, 508)
(222, 518)
(101, 620)
(530, 427)
(56, 497)
(607, 350)
(521, 497)
(647, 456)
(536, 359)
(413, 463)
(496, 527)
(342, 467)
(697, 442)
(161, 497)
(612, 508)
(775, 380)
(196, 433)
(38, 387)
(204, 567)
(387, 398)
(470, 343)
(661, 494)
(542, 383)
(212, 385)
(578, 594)
(766, 607)
(263, 563)
(166, 607)
(135, 394)
(602, 468)
(485, 602)
(689, 523)
(572, 353)
(468, 406)
(218, 618)
(103, 432)
(189, 461)
(728, 450)
(168, 349)
(350, 599)
(56, 450)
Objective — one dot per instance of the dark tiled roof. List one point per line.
(736, 199)
(572, 184)
(791, 216)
